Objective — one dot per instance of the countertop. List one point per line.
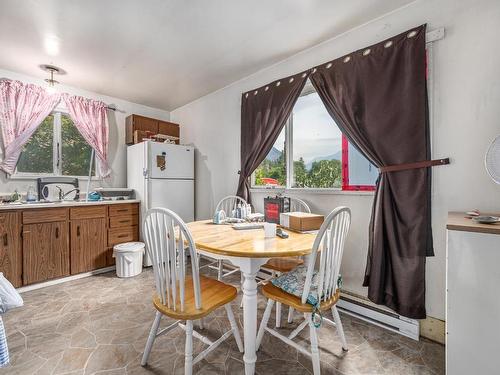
(29, 206)
(458, 221)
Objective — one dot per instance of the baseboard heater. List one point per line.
(391, 321)
(362, 309)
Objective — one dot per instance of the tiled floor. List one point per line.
(99, 325)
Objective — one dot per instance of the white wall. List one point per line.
(466, 118)
(117, 147)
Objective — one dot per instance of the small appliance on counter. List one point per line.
(44, 183)
(273, 207)
(115, 194)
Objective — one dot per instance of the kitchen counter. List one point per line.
(25, 206)
(47, 241)
(457, 221)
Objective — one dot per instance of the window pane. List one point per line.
(317, 145)
(37, 155)
(361, 171)
(272, 171)
(75, 151)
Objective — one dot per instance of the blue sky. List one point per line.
(314, 132)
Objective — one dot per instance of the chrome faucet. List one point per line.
(63, 195)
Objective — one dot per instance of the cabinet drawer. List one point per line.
(45, 215)
(123, 221)
(123, 209)
(87, 212)
(120, 235)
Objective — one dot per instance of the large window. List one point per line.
(55, 149)
(311, 152)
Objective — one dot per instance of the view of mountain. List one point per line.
(336, 156)
(274, 154)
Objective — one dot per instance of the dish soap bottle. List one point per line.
(30, 195)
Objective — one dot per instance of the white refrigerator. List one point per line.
(162, 175)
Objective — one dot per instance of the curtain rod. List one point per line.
(434, 35)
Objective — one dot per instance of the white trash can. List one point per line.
(128, 258)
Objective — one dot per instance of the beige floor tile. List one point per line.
(99, 325)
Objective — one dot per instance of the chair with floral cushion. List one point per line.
(312, 289)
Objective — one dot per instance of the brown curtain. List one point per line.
(264, 112)
(378, 97)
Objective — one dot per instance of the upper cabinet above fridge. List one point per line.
(138, 128)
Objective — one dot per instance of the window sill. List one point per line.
(35, 176)
(292, 191)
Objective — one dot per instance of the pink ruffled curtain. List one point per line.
(91, 119)
(23, 107)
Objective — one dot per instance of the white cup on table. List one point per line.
(269, 230)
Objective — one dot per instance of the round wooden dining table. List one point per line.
(248, 250)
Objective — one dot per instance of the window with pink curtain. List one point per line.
(91, 119)
(23, 107)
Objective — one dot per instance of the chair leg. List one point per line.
(234, 327)
(188, 353)
(200, 323)
(340, 328)
(221, 268)
(151, 338)
(290, 314)
(314, 346)
(278, 315)
(263, 323)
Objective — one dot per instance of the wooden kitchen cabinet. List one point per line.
(11, 262)
(147, 124)
(88, 245)
(40, 244)
(45, 251)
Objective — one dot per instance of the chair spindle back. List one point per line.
(229, 203)
(167, 238)
(298, 205)
(330, 242)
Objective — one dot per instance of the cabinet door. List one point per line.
(146, 124)
(169, 128)
(88, 245)
(11, 262)
(45, 251)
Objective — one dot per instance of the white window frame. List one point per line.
(57, 157)
(308, 89)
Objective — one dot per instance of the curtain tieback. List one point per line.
(416, 165)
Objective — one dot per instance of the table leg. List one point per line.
(249, 268)
(250, 321)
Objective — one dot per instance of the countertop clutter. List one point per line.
(459, 222)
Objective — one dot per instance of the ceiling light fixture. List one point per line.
(51, 82)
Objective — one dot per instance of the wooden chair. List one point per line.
(181, 295)
(278, 266)
(228, 204)
(329, 243)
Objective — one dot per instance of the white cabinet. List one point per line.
(472, 299)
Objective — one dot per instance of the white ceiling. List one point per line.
(166, 53)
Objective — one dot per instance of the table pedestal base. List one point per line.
(249, 267)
